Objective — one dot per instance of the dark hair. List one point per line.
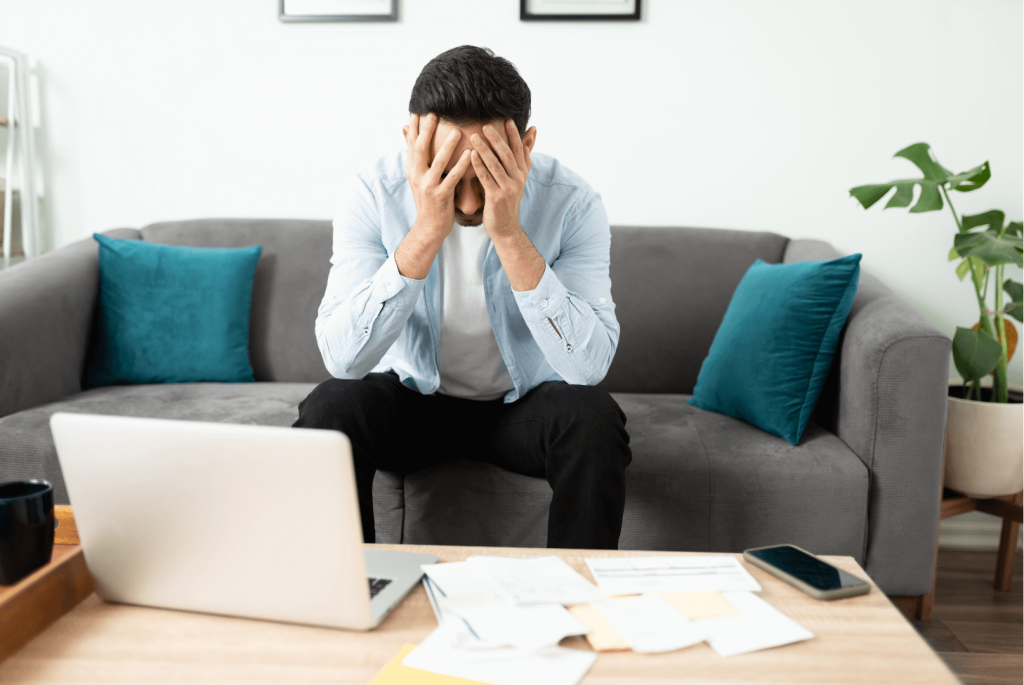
(468, 84)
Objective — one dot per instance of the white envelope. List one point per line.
(508, 666)
(759, 626)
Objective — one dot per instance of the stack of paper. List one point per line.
(501, 619)
(636, 575)
(505, 666)
(713, 592)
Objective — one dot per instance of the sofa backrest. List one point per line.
(286, 292)
(671, 287)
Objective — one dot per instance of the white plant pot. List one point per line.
(984, 447)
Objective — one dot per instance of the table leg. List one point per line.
(1007, 551)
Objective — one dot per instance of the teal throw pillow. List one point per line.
(772, 353)
(171, 314)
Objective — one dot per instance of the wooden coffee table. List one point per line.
(858, 640)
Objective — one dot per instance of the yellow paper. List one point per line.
(397, 674)
(695, 605)
(602, 637)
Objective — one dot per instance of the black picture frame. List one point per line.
(393, 16)
(526, 15)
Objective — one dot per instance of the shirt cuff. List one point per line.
(391, 282)
(545, 300)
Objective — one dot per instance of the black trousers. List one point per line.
(572, 435)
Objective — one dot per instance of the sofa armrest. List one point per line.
(46, 309)
(886, 399)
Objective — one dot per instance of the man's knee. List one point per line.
(587, 404)
(339, 399)
(597, 425)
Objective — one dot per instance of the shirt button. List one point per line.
(602, 300)
(366, 331)
(568, 348)
(543, 303)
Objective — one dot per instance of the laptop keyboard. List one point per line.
(377, 584)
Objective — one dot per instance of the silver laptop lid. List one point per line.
(251, 521)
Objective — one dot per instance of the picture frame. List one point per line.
(337, 10)
(579, 10)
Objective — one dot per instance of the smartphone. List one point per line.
(806, 572)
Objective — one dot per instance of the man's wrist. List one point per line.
(417, 250)
(523, 265)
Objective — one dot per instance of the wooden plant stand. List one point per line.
(1007, 507)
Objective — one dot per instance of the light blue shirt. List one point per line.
(373, 319)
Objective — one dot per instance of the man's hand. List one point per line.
(434, 196)
(502, 171)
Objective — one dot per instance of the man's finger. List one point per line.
(482, 173)
(490, 161)
(423, 138)
(444, 154)
(501, 149)
(457, 172)
(516, 143)
(413, 129)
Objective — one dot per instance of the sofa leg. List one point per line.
(909, 605)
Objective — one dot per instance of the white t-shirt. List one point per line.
(469, 359)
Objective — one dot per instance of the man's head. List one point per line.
(468, 87)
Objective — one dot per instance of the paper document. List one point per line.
(432, 593)
(537, 580)
(695, 605)
(397, 674)
(601, 636)
(459, 577)
(491, 622)
(759, 626)
(649, 624)
(638, 575)
(508, 666)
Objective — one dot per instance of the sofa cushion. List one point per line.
(699, 481)
(774, 349)
(171, 314)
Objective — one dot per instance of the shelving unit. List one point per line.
(20, 164)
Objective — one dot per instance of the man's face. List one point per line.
(469, 193)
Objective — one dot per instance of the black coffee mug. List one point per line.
(26, 528)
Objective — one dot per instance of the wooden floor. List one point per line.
(976, 630)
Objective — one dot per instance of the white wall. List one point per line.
(751, 114)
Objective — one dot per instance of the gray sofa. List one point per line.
(864, 481)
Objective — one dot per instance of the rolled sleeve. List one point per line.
(570, 313)
(542, 302)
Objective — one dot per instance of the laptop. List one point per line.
(252, 521)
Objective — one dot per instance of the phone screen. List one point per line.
(811, 570)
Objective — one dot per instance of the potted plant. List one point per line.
(985, 421)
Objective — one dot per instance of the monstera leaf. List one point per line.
(1015, 228)
(993, 219)
(1013, 289)
(935, 177)
(975, 353)
(989, 247)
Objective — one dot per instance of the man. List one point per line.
(468, 311)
